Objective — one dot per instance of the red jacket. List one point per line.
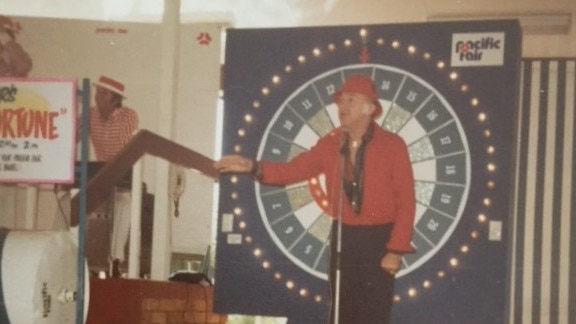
(388, 184)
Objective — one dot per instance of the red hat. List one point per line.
(360, 84)
(110, 84)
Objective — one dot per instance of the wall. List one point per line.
(534, 45)
(150, 302)
(266, 14)
(543, 283)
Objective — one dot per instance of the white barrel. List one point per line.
(39, 278)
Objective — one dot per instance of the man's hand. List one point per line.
(391, 262)
(234, 163)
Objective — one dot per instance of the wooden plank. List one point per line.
(143, 142)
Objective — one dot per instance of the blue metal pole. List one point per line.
(85, 96)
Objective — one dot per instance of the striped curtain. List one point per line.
(543, 276)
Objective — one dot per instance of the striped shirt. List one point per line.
(109, 136)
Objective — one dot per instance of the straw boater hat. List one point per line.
(111, 84)
(360, 84)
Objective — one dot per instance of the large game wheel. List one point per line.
(295, 215)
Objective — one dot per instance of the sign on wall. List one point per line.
(37, 130)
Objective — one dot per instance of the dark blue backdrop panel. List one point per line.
(454, 103)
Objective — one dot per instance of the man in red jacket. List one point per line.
(370, 189)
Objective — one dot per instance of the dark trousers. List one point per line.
(366, 291)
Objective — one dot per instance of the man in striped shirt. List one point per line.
(111, 125)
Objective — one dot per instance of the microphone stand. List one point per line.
(342, 156)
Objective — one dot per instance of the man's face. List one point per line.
(105, 100)
(354, 109)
